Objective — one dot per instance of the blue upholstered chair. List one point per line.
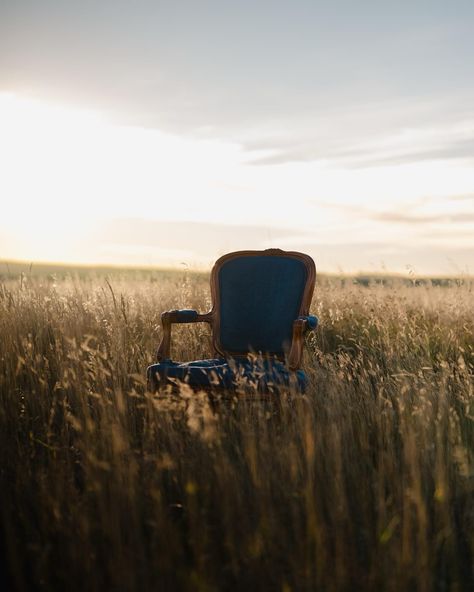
(259, 318)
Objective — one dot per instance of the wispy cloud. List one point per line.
(410, 214)
(464, 197)
(312, 80)
(373, 141)
(407, 218)
(138, 242)
(200, 238)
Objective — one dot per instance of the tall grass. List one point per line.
(364, 483)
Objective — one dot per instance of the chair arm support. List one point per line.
(177, 316)
(312, 322)
(301, 326)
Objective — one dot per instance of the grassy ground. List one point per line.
(365, 483)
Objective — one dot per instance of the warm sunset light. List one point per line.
(118, 148)
(236, 296)
(78, 187)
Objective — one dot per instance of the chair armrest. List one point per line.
(312, 322)
(177, 316)
(301, 326)
(180, 316)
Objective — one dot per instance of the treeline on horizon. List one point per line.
(60, 271)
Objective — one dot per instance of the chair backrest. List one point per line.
(256, 297)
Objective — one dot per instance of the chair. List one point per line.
(259, 318)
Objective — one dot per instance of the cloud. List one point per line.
(430, 259)
(153, 242)
(410, 214)
(139, 242)
(299, 81)
(407, 218)
(369, 147)
(464, 197)
(204, 240)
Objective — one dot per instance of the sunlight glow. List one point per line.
(65, 172)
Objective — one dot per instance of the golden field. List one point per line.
(364, 483)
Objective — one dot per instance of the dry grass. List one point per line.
(366, 483)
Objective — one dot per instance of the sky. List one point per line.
(162, 133)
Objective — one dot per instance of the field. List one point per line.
(364, 483)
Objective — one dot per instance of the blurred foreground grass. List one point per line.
(365, 483)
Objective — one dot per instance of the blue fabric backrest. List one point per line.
(260, 297)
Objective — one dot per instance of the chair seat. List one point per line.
(260, 375)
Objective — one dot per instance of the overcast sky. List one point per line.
(357, 115)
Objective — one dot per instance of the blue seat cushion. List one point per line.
(261, 375)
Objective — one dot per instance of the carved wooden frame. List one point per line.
(213, 316)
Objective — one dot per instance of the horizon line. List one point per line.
(200, 270)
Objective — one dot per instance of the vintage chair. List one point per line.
(259, 318)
